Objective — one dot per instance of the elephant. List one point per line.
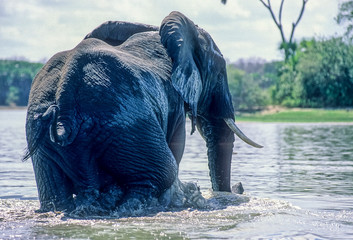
(111, 113)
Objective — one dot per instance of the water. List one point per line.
(298, 187)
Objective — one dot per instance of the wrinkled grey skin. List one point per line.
(110, 113)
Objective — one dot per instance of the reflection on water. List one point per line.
(321, 156)
(300, 182)
(309, 164)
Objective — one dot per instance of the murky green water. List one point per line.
(300, 186)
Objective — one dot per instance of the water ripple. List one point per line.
(300, 182)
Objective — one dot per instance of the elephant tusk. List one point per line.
(231, 124)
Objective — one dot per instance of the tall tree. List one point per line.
(345, 17)
(288, 44)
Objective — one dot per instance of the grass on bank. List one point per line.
(299, 115)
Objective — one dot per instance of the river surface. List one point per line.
(299, 186)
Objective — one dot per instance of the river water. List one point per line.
(299, 186)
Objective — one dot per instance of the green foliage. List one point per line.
(250, 91)
(15, 81)
(320, 75)
(326, 72)
(289, 49)
(287, 90)
(13, 96)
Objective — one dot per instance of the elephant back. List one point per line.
(116, 32)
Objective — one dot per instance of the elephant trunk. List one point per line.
(219, 140)
(219, 137)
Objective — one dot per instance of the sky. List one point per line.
(37, 29)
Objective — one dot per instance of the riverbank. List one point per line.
(278, 114)
(13, 108)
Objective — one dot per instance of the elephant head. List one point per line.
(199, 76)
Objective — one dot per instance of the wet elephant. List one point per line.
(110, 113)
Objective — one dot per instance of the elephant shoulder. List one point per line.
(145, 45)
(149, 54)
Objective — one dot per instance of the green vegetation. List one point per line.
(251, 82)
(300, 115)
(318, 72)
(318, 75)
(15, 81)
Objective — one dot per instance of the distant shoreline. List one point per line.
(279, 115)
(13, 108)
(299, 115)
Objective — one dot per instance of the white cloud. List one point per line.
(40, 28)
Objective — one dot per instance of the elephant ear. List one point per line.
(179, 36)
(116, 32)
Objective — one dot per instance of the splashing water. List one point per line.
(95, 205)
(224, 214)
(181, 196)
